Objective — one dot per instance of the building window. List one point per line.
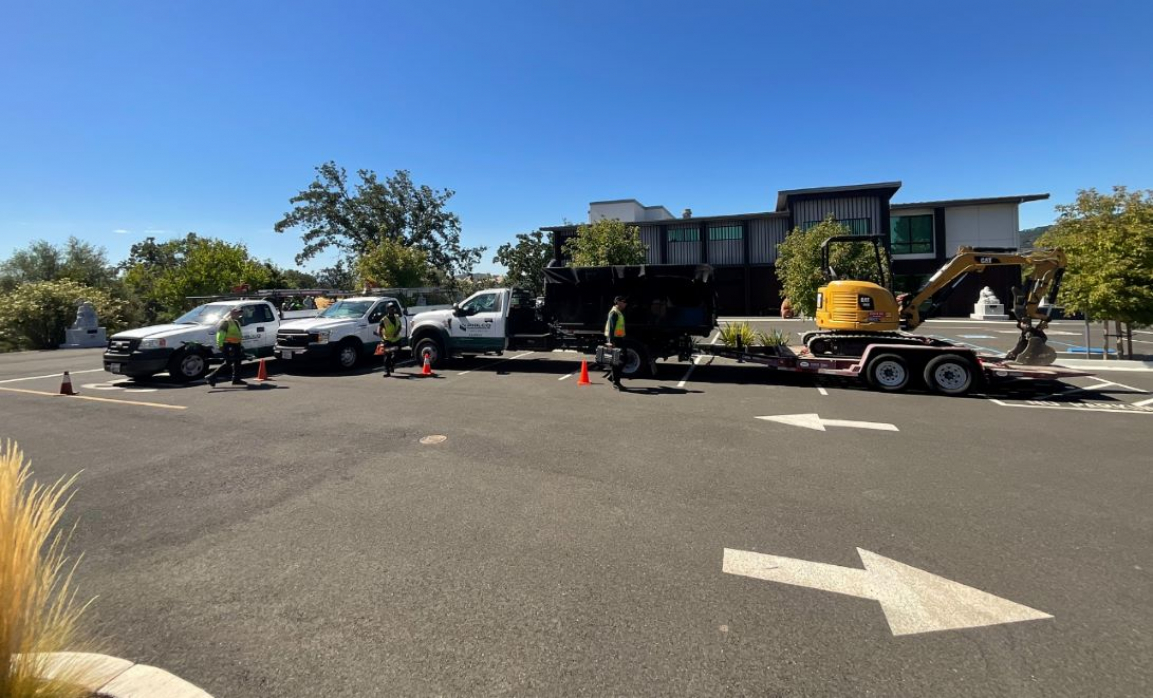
(685, 233)
(909, 283)
(724, 232)
(912, 234)
(856, 226)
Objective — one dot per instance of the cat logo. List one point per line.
(986, 260)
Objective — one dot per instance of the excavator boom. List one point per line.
(1046, 269)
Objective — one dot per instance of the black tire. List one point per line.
(432, 347)
(347, 355)
(188, 366)
(888, 372)
(635, 360)
(949, 375)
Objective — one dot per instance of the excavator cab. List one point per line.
(853, 305)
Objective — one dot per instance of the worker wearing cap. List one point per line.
(390, 328)
(615, 332)
(229, 341)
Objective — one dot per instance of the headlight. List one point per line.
(153, 343)
(322, 337)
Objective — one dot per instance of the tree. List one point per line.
(393, 265)
(34, 315)
(1108, 240)
(525, 261)
(356, 221)
(606, 242)
(799, 262)
(43, 261)
(164, 274)
(290, 278)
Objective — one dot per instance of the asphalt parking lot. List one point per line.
(305, 538)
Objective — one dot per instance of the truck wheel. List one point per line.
(635, 361)
(888, 372)
(949, 375)
(346, 356)
(431, 348)
(187, 366)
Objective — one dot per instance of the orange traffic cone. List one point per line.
(66, 385)
(427, 370)
(584, 380)
(262, 372)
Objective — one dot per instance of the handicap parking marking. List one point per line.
(1064, 400)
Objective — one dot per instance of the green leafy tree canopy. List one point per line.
(164, 274)
(799, 262)
(1108, 240)
(34, 315)
(356, 220)
(42, 261)
(525, 261)
(393, 265)
(606, 242)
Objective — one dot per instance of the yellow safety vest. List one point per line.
(228, 333)
(390, 329)
(618, 330)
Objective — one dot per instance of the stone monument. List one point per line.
(988, 307)
(85, 331)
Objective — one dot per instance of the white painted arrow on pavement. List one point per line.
(815, 422)
(914, 601)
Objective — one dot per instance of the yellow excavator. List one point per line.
(852, 315)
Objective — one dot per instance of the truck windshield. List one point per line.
(203, 315)
(346, 309)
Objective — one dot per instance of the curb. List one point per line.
(113, 677)
(1106, 364)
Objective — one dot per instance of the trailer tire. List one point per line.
(949, 375)
(433, 348)
(186, 366)
(888, 372)
(347, 355)
(634, 360)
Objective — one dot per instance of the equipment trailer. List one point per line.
(945, 369)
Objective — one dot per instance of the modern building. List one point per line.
(743, 247)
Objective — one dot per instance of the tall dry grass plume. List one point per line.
(39, 613)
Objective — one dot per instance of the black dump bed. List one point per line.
(666, 298)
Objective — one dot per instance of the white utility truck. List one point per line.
(186, 347)
(343, 333)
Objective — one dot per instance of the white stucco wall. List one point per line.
(626, 211)
(981, 226)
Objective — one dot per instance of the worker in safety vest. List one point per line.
(615, 333)
(229, 341)
(390, 329)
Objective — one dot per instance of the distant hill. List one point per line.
(1028, 238)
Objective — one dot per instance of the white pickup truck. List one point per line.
(187, 346)
(343, 333)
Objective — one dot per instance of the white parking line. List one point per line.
(1101, 383)
(95, 399)
(822, 391)
(568, 375)
(51, 375)
(514, 358)
(696, 361)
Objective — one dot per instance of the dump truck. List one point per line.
(669, 306)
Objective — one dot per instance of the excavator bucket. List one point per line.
(1033, 350)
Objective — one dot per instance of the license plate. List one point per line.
(114, 368)
(286, 354)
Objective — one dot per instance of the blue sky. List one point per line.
(159, 118)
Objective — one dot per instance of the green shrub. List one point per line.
(34, 315)
(731, 332)
(774, 338)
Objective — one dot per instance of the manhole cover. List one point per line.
(434, 439)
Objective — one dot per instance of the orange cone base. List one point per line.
(427, 370)
(584, 379)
